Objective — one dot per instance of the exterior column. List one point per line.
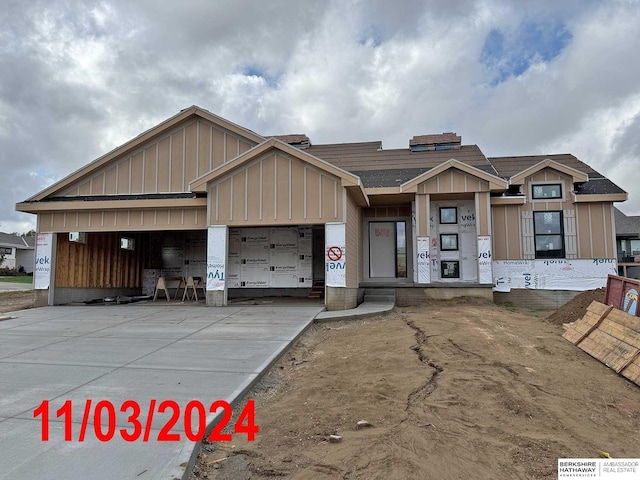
(44, 273)
(422, 249)
(337, 296)
(217, 247)
(483, 228)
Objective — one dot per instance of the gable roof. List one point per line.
(576, 175)
(11, 240)
(143, 138)
(507, 167)
(495, 183)
(349, 180)
(626, 225)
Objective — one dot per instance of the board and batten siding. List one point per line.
(453, 181)
(166, 164)
(588, 227)
(353, 243)
(278, 189)
(124, 220)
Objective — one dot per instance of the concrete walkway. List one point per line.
(364, 310)
(119, 353)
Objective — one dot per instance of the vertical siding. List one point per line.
(353, 244)
(597, 231)
(166, 164)
(499, 229)
(276, 188)
(483, 206)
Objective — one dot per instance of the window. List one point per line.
(127, 243)
(448, 215)
(6, 251)
(549, 236)
(448, 241)
(544, 192)
(450, 269)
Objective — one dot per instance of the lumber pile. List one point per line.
(611, 336)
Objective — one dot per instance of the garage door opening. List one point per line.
(276, 264)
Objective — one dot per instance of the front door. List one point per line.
(388, 249)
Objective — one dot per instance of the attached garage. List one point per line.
(198, 196)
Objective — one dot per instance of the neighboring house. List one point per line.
(628, 243)
(18, 252)
(200, 196)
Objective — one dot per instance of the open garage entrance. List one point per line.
(275, 262)
(263, 262)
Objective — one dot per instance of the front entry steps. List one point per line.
(317, 290)
(380, 295)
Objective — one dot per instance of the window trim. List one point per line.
(455, 222)
(542, 254)
(534, 184)
(449, 249)
(442, 263)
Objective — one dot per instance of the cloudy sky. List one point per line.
(78, 78)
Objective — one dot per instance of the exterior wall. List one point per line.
(506, 232)
(125, 220)
(588, 227)
(595, 230)
(27, 259)
(453, 181)
(9, 259)
(353, 243)
(276, 189)
(166, 164)
(98, 264)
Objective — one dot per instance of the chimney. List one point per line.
(438, 141)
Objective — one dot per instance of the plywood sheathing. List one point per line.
(611, 336)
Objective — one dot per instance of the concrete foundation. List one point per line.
(267, 292)
(71, 295)
(539, 299)
(417, 295)
(339, 298)
(216, 298)
(41, 298)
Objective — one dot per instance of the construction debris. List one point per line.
(611, 336)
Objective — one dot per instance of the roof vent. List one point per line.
(298, 140)
(439, 141)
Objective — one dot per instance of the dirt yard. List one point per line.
(11, 301)
(453, 390)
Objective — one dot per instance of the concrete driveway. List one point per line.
(118, 353)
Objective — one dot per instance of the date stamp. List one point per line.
(100, 419)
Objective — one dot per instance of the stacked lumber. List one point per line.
(611, 336)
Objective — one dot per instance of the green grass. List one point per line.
(17, 279)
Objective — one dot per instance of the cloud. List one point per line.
(80, 78)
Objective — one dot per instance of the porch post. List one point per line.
(45, 272)
(217, 247)
(335, 267)
(483, 228)
(422, 249)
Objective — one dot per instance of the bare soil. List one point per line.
(453, 390)
(575, 308)
(12, 301)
